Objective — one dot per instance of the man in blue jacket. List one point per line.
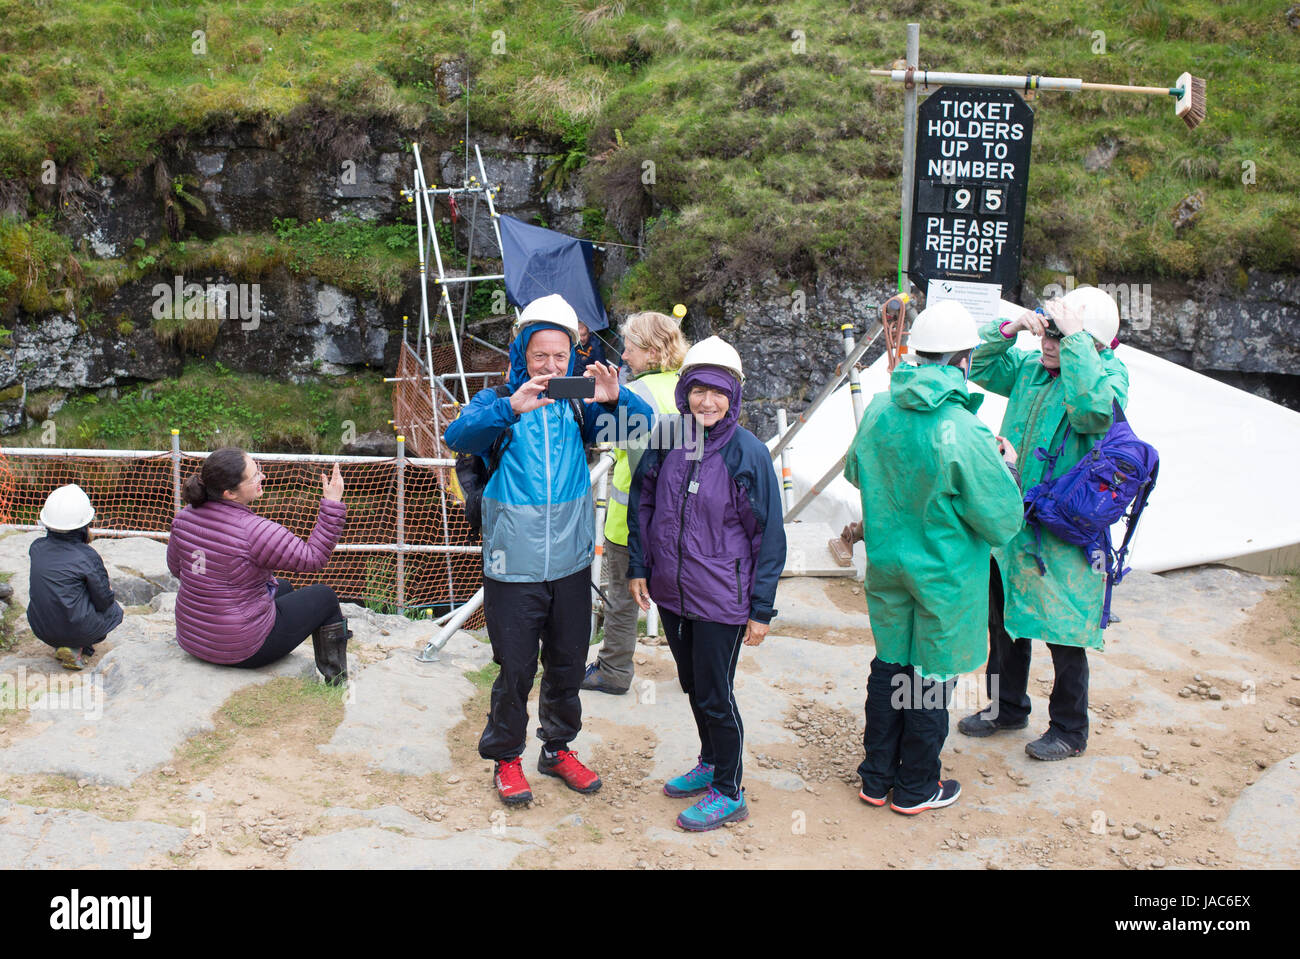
(539, 540)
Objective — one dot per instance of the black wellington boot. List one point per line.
(331, 645)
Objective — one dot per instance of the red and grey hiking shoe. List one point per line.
(565, 765)
(512, 787)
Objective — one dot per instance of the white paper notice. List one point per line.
(982, 300)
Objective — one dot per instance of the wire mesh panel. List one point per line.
(129, 493)
(135, 494)
(412, 407)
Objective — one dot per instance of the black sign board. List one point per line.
(968, 194)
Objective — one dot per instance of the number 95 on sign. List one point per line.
(988, 201)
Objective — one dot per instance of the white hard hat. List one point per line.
(552, 308)
(1094, 307)
(714, 351)
(944, 327)
(66, 509)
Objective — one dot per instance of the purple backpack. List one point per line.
(1081, 506)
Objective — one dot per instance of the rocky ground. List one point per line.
(155, 760)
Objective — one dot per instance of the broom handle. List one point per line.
(1123, 88)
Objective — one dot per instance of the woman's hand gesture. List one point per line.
(332, 485)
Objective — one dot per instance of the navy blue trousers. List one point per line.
(1067, 707)
(907, 723)
(706, 655)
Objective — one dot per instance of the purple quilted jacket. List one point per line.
(224, 554)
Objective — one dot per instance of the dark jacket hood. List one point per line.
(519, 350)
(718, 379)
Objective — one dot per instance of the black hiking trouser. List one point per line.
(298, 614)
(521, 616)
(706, 655)
(907, 723)
(1067, 707)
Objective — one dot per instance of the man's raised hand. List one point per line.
(529, 395)
(606, 377)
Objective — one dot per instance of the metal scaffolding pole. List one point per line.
(787, 479)
(443, 298)
(855, 383)
(424, 299)
(831, 386)
(492, 211)
(909, 159)
(401, 523)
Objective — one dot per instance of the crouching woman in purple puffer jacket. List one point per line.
(708, 546)
(232, 610)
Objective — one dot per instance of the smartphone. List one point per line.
(571, 388)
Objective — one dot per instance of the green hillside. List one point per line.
(771, 146)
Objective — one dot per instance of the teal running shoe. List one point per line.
(713, 810)
(690, 784)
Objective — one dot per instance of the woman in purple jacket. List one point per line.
(708, 546)
(232, 610)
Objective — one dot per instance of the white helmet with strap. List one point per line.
(944, 327)
(1095, 308)
(714, 351)
(66, 509)
(552, 308)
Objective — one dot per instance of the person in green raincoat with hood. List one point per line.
(1059, 404)
(936, 495)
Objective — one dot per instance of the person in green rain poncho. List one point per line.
(936, 496)
(1057, 399)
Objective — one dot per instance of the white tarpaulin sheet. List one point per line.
(1229, 462)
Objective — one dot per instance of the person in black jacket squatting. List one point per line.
(71, 606)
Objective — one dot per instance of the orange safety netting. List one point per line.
(138, 495)
(412, 406)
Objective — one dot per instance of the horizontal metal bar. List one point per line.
(106, 533)
(36, 452)
(491, 346)
(1025, 81)
(468, 279)
(406, 548)
(94, 531)
(441, 190)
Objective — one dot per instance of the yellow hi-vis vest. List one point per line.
(658, 389)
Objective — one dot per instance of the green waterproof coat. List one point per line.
(935, 496)
(1064, 605)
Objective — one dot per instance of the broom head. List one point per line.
(1190, 104)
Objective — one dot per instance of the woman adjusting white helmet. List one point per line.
(1094, 308)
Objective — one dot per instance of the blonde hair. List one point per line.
(657, 334)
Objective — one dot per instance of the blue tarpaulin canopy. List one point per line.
(539, 262)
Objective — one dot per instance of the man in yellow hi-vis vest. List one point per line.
(653, 351)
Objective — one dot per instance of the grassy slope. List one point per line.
(213, 407)
(764, 156)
